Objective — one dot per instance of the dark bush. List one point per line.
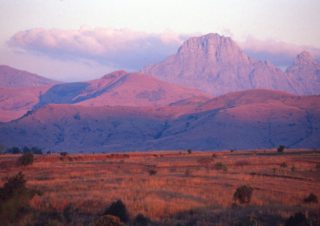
(36, 151)
(118, 209)
(152, 172)
(2, 148)
(248, 221)
(280, 149)
(15, 184)
(220, 166)
(141, 220)
(298, 219)
(284, 165)
(33, 150)
(312, 198)
(25, 159)
(63, 154)
(189, 151)
(69, 212)
(243, 194)
(108, 220)
(14, 199)
(13, 150)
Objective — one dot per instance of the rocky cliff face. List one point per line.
(216, 65)
(304, 74)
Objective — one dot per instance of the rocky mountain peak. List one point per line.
(212, 47)
(304, 58)
(114, 74)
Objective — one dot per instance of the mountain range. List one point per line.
(216, 65)
(208, 96)
(242, 120)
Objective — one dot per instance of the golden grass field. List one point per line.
(174, 188)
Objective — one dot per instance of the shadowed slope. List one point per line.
(118, 89)
(248, 119)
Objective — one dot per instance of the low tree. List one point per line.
(311, 198)
(14, 199)
(280, 148)
(25, 159)
(243, 194)
(13, 150)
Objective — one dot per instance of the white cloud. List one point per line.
(278, 52)
(120, 48)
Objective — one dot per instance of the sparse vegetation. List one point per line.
(25, 159)
(17, 150)
(243, 194)
(189, 151)
(13, 150)
(76, 192)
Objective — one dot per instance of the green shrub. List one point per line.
(243, 194)
(119, 210)
(25, 159)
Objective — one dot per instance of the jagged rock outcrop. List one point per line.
(216, 64)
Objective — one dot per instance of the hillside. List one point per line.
(242, 120)
(19, 92)
(118, 88)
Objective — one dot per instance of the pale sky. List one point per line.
(48, 47)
